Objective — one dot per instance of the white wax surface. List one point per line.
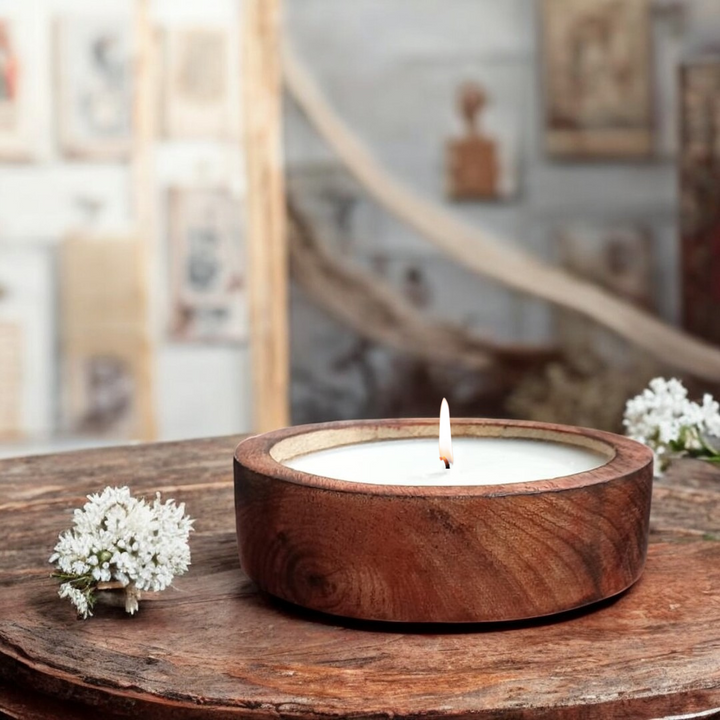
(478, 461)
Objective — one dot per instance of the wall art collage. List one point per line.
(91, 298)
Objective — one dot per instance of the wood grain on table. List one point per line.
(213, 647)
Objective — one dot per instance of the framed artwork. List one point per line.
(699, 191)
(95, 86)
(16, 83)
(476, 169)
(103, 392)
(106, 378)
(341, 213)
(208, 299)
(597, 73)
(196, 80)
(11, 375)
(618, 258)
(27, 329)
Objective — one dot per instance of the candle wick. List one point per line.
(447, 463)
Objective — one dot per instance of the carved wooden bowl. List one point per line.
(441, 554)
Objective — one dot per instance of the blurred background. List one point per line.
(585, 133)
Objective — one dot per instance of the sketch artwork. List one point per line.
(335, 204)
(15, 83)
(105, 397)
(11, 357)
(94, 60)
(9, 81)
(27, 327)
(104, 338)
(618, 258)
(196, 83)
(103, 386)
(597, 74)
(207, 268)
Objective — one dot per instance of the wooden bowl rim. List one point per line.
(625, 456)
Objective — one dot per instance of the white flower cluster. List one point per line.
(668, 422)
(119, 539)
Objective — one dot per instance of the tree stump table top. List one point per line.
(213, 647)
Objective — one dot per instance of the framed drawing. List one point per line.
(11, 375)
(103, 391)
(207, 267)
(106, 349)
(103, 394)
(341, 213)
(16, 84)
(95, 86)
(27, 331)
(618, 258)
(597, 73)
(196, 83)
(699, 191)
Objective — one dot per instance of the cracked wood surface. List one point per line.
(213, 647)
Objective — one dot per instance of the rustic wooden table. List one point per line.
(212, 647)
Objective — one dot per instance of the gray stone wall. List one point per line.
(391, 69)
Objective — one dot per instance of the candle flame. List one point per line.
(446, 453)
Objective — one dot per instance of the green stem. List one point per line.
(81, 582)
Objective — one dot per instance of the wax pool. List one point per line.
(478, 461)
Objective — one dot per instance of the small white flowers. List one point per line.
(663, 418)
(121, 540)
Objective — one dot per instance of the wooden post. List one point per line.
(699, 188)
(266, 222)
(143, 199)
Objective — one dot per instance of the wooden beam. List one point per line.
(266, 234)
(143, 203)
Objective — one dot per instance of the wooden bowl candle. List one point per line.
(360, 519)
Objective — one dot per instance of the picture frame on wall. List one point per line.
(343, 215)
(27, 331)
(196, 83)
(482, 162)
(11, 375)
(105, 348)
(597, 72)
(94, 57)
(208, 297)
(102, 391)
(618, 257)
(17, 83)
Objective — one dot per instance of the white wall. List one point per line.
(200, 390)
(391, 70)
